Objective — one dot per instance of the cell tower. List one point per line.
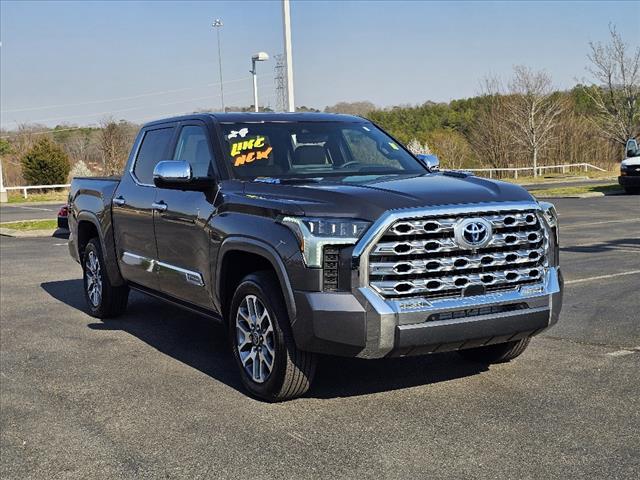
(281, 83)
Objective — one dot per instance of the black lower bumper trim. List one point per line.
(455, 334)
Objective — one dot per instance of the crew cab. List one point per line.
(629, 177)
(311, 234)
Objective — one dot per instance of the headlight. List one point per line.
(315, 233)
(550, 213)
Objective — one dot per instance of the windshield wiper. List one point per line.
(298, 180)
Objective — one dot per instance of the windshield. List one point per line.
(314, 149)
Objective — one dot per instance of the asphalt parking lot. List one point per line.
(154, 394)
(31, 211)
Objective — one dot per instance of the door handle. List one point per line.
(160, 206)
(119, 200)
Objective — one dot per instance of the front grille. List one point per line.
(421, 256)
(330, 263)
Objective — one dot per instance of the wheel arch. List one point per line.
(88, 227)
(264, 255)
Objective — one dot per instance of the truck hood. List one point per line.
(369, 198)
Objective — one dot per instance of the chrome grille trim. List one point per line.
(429, 252)
(438, 284)
(445, 264)
(437, 245)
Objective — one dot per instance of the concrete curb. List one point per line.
(576, 195)
(8, 232)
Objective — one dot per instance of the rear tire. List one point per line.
(498, 353)
(103, 299)
(271, 366)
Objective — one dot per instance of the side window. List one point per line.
(193, 147)
(153, 149)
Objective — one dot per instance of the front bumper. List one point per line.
(629, 180)
(362, 324)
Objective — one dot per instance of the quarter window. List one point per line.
(154, 148)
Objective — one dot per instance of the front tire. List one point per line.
(271, 366)
(498, 353)
(104, 300)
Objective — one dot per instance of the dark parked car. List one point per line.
(312, 234)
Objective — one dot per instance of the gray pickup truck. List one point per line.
(311, 234)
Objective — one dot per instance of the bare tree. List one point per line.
(616, 71)
(417, 148)
(489, 136)
(533, 111)
(113, 146)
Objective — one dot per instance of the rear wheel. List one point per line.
(103, 299)
(271, 367)
(498, 353)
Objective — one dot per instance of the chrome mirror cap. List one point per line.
(430, 161)
(172, 171)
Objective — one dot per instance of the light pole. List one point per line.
(258, 57)
(217, 24)
(286, 23)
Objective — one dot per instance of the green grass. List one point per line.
(50, 196)
(31, 225)
(579, 190)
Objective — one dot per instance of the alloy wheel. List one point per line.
(94, 279)
(255, 338)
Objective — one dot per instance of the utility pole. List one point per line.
(286, 20)
(3, 191)
(217, 24)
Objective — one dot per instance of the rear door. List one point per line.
(181, 222)
(133, 209)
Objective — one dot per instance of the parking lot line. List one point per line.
(601, 277)
(604, 222)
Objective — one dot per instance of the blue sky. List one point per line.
(163, 56)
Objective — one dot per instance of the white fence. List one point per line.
(560, 168)
(25, 189)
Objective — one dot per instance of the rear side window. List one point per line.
(193, 147)
(153, 149)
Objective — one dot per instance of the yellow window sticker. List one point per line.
(248, 150)
(394, 146)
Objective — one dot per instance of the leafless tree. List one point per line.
(351, 108)
(489, 136)
(113, 146)
(533, 111)
(616, 93)
(418, 148)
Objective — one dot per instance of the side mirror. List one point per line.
(430, 161)
(178, 176)
(172, 174)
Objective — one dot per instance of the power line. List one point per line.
(93, 114)
(95, 125)
(132, 97)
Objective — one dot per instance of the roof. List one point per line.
(249, 117)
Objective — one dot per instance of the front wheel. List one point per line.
(270, 364)
(498, 353)
(103, 299)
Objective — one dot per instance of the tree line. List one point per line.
(518, 122)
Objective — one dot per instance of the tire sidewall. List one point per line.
(251, 285)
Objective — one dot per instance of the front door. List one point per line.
(132, 208)
(181, 222)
